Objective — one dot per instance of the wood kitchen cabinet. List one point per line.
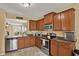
(32, 40)
(24, 42)
(61, 48)
(54, 48)
(38, 42)
(48, 18)
(64, 51)
(65, 20)
(57, 22)
(40, 24)
(32, 25)
(68, 20)
(21, 43)
(27, 42)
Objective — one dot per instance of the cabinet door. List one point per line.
(32, 41)
(66, 48)
(54, 48)
(40, 24)
(48, 19)
(38, 42)
(27, 42)
(32, 25)
(21, 43)
(64, 51)
(67, 18)
(57, 22)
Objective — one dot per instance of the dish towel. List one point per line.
(43, 42)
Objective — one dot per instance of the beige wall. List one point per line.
(13, 16)
(76, 6)
(2, 32)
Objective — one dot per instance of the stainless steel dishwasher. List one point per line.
(11, 44)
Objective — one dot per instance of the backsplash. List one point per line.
(58, 33)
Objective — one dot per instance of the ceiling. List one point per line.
(35, 11)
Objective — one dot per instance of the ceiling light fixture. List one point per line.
(26, 4)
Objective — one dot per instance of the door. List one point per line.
(38, 42)
(65, 50)
(32, 41)
(54, 48)
(27, 42)
(48, 18)
(41, 22)
(57, 22)
(32, 25)
(68, 20)
(21, 43)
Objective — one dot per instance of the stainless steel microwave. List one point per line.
(48, 27)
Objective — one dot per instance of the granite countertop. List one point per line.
(13, 37)
(63, 39)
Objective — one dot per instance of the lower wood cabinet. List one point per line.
(32, 41)
(54, 48)
(21, 43)
(61, 48)
(27, 42)
(24, 42)
(38, 42)
(64, 51)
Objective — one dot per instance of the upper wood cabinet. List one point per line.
(32, 25)
(57, 22)
(40, 24)
(64, 21)
(48, 18)
(68, 20)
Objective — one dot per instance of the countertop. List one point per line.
(15, 37)
(63, 39)
(57, 38)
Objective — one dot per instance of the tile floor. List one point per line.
(32, 51)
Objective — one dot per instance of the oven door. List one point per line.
(45, 44)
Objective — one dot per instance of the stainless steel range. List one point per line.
(45, 45)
